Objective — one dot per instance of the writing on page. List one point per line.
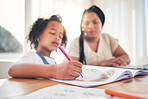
(67, 92)
(94, 74)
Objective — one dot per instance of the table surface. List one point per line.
(15, 88)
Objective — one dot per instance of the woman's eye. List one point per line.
(95, 22)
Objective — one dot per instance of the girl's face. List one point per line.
(91, 24)
(51, 37)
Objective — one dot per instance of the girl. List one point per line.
(45, 35)
(94, 48)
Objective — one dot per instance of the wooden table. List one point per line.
(15, 88)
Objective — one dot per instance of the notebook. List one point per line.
(97, 75)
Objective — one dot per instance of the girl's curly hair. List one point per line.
(38, 27)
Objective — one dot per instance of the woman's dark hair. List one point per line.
(39, 26)
(101, 15)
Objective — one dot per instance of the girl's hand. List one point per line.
(68, 71)
(113, 62)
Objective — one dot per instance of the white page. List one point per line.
(93, 76)
(67, 92)
(96, 75)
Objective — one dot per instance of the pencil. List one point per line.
(66, 55)
(124, 95)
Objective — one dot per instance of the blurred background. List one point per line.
(126, 20)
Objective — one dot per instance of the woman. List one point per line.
(94, 48)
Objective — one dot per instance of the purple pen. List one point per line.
(66, 55)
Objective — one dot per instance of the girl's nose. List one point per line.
(57, 37)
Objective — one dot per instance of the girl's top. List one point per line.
(35, 58)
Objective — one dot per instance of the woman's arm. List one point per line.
(122, 54)
(121, 58)
(68, 70)
(74, 58)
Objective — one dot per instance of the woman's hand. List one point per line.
(68, 71)
(113, 62)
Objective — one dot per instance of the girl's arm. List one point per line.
(32, 71)
(68, 70)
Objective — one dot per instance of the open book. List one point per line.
(97, 75)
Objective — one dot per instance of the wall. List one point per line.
(4, 67)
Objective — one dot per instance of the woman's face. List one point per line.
(51, 37)
(91, 24)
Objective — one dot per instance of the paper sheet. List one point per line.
(67, 92)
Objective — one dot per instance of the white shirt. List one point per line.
(106, 48)
(34, 58)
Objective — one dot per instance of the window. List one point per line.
(146, 23)
(11, 28)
